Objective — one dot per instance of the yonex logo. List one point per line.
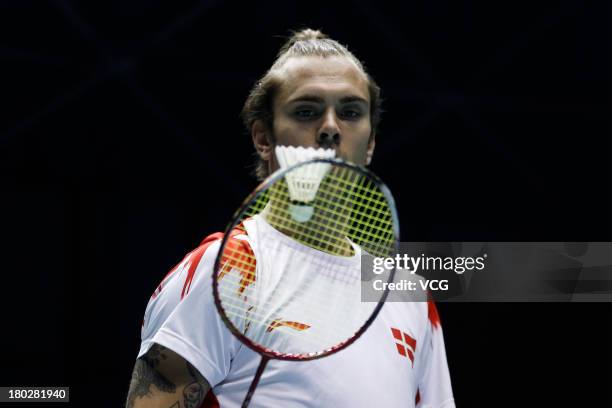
(406, 346)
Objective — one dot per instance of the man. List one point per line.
(315, 94)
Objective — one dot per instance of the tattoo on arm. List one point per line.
(175, 381)
(194, 392)
(145, 374)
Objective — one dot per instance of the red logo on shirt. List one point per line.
(406, 345)
(294, 325)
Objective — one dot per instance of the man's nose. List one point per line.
(329, 133)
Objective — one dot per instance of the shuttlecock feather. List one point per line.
(304, 181)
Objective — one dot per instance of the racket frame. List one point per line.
(237, 218)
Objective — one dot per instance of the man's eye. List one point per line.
(305, 113)
(351, 113)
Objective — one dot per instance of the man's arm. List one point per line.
(163, 379)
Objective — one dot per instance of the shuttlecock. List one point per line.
(304, 181)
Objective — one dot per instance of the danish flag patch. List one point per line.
(406, 345)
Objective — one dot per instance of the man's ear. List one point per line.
(262, 140)
(370, 151)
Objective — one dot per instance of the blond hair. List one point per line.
(306, 42)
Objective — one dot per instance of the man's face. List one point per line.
(324, 102)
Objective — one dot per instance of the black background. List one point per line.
(121, 148)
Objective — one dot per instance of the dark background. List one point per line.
(121, 148)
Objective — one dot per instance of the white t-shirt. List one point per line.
(399, 361)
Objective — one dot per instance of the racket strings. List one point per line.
(315, 301)
(317, 333)
(338, 284)
(357, 221)
(246, 316)
(247, 306)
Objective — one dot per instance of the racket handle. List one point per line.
(258, 373)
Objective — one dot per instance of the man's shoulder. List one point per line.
(190, 277)
(194, 266)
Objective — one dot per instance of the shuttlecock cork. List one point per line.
(303, 182)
